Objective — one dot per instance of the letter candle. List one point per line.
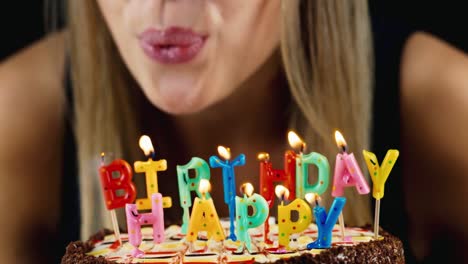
(150, 168)
(379, 175)
(229, 181)
(347, 173)
(204, 216)
(244, 221)
(187, 185)
(302, 169)
(116, 176)
(286, 227)
(325, 223)
(135, 220)
(269, 176)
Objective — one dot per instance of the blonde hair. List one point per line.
(326, 50)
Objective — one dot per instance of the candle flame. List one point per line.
(247, 188)
(146, 145)
(224, 152)
(312, 197)
(204, 186)
(281, 192)
(340, 141)
(295, 141)
(263, 156)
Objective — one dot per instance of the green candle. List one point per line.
(188, 184)
(244, 221)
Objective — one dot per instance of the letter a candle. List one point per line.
(347, 173)
(204, 217)
(379, 175)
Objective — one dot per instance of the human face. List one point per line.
(190, 54)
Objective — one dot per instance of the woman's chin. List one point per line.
(179, 101)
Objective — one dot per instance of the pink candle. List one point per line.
(135, 220)
(347, 171)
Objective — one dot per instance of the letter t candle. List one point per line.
(229, 181)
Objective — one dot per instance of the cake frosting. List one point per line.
(359, 246)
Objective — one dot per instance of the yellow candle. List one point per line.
(379, 174)
(150, 168)
(204, 217)
(286, 226)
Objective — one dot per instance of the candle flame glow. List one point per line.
(146, 145)
(313, 197)
(204, 186)
(295, 141)
(263, 156)
(247, 188)
(224, 152)
(282, 192)
(340, 141)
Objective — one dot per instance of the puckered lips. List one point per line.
(173, 45)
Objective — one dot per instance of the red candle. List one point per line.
(269, 176)
(114, 177)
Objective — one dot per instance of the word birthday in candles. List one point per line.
(244, 221)
(150, 168)
(188, 184)
(286, 226)
(204, 217)
(229, 181)
(135, 220)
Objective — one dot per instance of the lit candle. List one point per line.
(379, 175)
(229, 181)
(204, 216)
(244, 221)
(302, 169)
(135, 220)
(325, 222)
(286, 226)
(347, 173)
(150, 168)
(188, 184)
(270, 176)
(117, 188)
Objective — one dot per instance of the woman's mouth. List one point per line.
(173, 45)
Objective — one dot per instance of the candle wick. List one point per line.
(344, 149)
(153, 155)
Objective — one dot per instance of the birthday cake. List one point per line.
(360, 246)
(250, 235)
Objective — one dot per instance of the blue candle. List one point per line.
(325, 223)
(229, 181)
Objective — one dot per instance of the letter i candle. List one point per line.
(150, 168)
(347, 173)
